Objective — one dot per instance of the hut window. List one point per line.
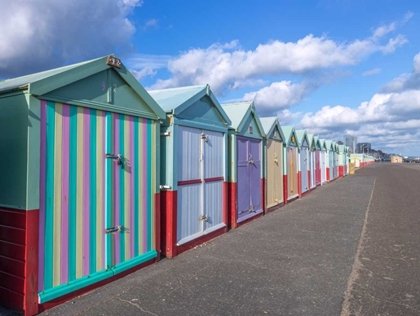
(250, 129)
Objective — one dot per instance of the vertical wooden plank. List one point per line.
(65, 194)
(49, 207)
(72, 257)
(136, 172)
(79, 194)
(130, 138)
(42, 188)
(93, 190)
(127, 178)
(100, 182)
(120, 192)
(57, 194)
(144, 186)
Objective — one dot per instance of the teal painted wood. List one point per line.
(93, 186)
(72, 202)
(49, 207)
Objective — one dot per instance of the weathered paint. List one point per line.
(83, 193)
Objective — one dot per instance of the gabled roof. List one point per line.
(328, 144)
(341, 148)
(322, 143)
(176, 100)
(289, 132)
(301, 136)
(269, 124)
(311, 141)
(238, 112)
(318, 144)
(44, 82)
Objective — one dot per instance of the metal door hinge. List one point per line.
(119, 157)
(204, 218)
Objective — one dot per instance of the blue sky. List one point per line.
(329, 66)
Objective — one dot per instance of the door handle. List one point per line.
(119, 157)
(117, 229)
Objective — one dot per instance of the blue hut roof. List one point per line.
(176, 100)
(289, 132)
(269, 124)
(301, 136)
(239, 112)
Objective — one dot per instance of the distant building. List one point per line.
(396, 159)
(340, 142)
(363, 148)
(351, 143)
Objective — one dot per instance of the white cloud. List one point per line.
(279, 95)
(227, 66)
(41, 34)
(287, 117)
(406, 81)
(371, 72)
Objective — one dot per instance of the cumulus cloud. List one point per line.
(279, 95)
(371, 72)
(227, 66)
(41, 34)
(406, 81)
(287, 117)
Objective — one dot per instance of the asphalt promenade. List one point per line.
(351, 247)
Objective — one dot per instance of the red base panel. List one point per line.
(262, 197)
(232, 204)
(299, 184)
(168, 204)
(285, 188)
(157, 226)
(341, 171)
(19, 259)
(328, 174)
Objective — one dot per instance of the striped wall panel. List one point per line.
(83, 193)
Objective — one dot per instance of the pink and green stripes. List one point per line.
(83, 193)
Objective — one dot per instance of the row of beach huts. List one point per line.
(100, 177)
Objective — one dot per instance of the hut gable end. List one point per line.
(203, 110)
(101, 89)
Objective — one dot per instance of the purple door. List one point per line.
(249, 178)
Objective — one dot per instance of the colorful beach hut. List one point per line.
(273, 163)
(342, 161)
(290, 164)
(312, 161)
(330, 160)
(318, 170)
(79, 203)
(304, 162)
(245, 158)
(194, 167)
(335, 160)
(323, 160)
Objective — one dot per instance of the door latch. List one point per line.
(119, 157)
(250, 160)
(204, 218)
(117, 229)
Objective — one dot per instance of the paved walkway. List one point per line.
(349, 248)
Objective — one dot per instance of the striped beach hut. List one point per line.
(246, 182)
(335, 160)
(290, 164)
(194, 167)
(273, 163)
(78, 205)
(304, 162)
(312, 161)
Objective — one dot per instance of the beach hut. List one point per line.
(329, 160)
(304, 162)
(194, 167)
(342, 159)
(290, 164)
(335, 160)
(312, 161)
(79, 200)
(318, 170)
(323, 161)
(273, 163)
(245, 158)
